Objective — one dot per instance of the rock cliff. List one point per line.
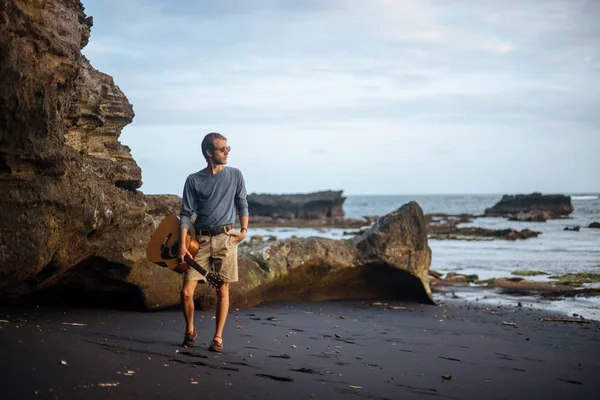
(72, 221)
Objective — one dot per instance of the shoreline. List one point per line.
(371, 350)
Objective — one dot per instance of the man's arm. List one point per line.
(243, 227)
(241, 235)
(241, 205)
(182, 247)
(188, 205)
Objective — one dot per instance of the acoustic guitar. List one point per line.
(163, 250)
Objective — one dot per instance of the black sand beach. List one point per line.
(348, 349)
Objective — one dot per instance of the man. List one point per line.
(214, 194)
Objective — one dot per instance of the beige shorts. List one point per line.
(216, 254)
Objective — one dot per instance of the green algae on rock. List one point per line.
(577, 279)
(524, 272)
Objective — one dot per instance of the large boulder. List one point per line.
(319, 205)
(389, 261)
(532, 207)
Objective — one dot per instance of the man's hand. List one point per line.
(183, 252)
(239, 236)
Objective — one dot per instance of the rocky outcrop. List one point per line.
(317, 205)
(595, 225)
(71, 220)
(391, 261)
(556, 206)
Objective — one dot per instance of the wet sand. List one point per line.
(330, 350)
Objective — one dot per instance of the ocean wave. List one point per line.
(584, 197)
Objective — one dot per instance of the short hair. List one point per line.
(208, 143)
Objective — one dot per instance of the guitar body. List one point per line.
(163, 247)
(163, 250)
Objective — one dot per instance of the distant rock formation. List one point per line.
(531, 206)
(595, 225)
(317, 205)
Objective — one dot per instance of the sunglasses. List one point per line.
(224, 149)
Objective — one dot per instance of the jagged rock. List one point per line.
(595, 225)
(572, 228)
(557, 206)
(317, 205)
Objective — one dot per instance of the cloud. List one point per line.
(294, 92)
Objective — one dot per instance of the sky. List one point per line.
(368, 97)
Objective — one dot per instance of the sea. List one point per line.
(554, 251)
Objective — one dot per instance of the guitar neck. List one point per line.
(195, 265)
(213, 278)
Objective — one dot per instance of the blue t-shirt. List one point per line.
(214, 198)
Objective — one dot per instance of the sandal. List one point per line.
(216, 346)
(190, 338)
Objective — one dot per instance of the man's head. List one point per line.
(214, 147)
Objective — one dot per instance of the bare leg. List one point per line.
(187, 302)
(222, 310)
